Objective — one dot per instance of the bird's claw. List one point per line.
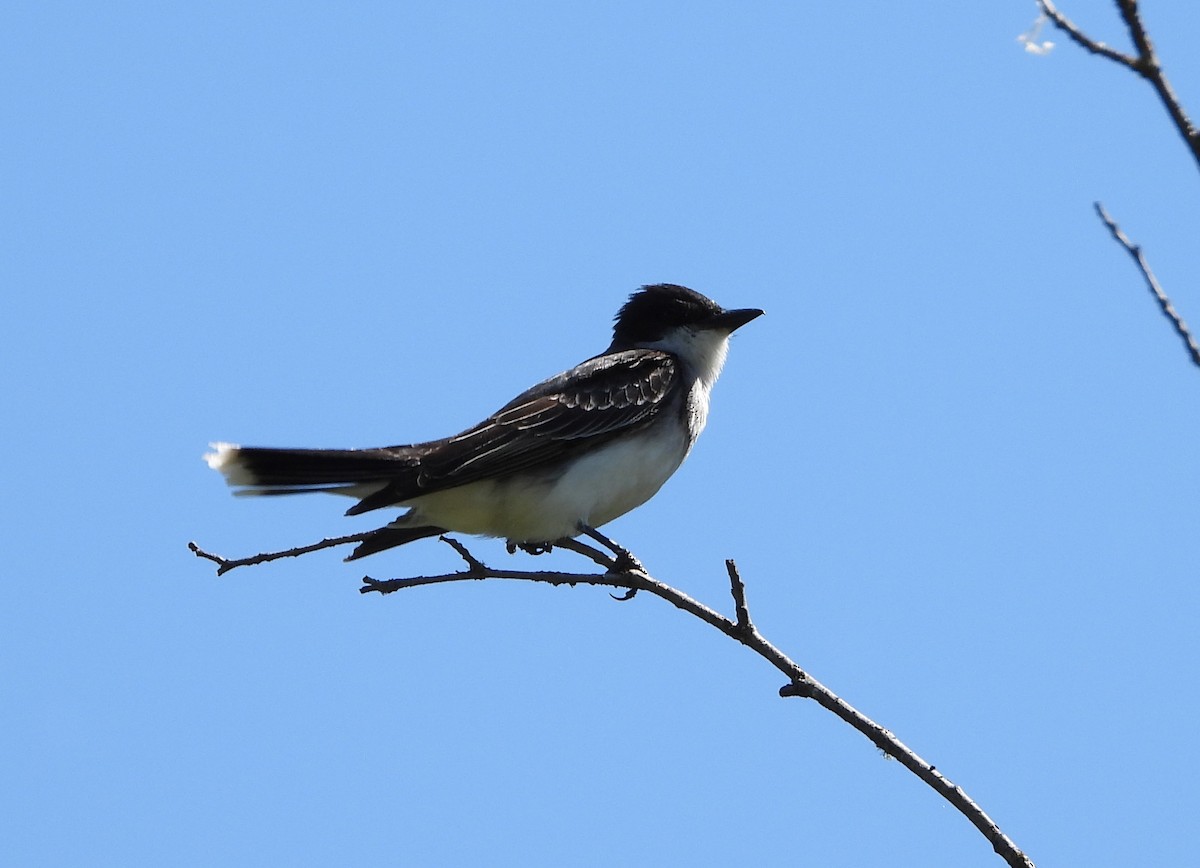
(529, 548)
(627, 563)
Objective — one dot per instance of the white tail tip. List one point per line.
(225, 459)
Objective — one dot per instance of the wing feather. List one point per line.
(600, 399)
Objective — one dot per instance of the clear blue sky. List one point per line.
(956, 461)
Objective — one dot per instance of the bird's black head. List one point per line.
(654, 311)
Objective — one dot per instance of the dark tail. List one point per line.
(288, 471)
(381, 477)
(388, 537)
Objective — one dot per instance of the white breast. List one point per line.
(598, 486)
(538, 507)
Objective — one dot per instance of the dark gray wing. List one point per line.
(581, 408)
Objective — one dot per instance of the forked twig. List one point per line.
(623, 570)
(800, 682)
(224, 565)
(1145, 63)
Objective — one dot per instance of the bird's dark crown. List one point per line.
(654, 310)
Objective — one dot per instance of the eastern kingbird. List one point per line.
(570, 454)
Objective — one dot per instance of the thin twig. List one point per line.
(1145, 63)
(635, 578)
(587, 551)
(1164, 302)
(390, 586)
(1081, 39)
(738, 589)
(800, 683)
(474, 565)
(625, 561)
(224, 565)
(1151, 70)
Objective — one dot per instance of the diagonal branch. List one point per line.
(1145, 63)
(1081, 39)
(742, 630)
(623, 570)
(1150, 69)
(1164, 302)
(224, 565)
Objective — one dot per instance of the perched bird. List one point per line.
(564, 457)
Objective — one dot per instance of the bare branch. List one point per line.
(390, 586)
(800, 683)
(1151, 70)
(1081, 39)
(474, 565)
(738, 589)
(1145, 63)
(625, 561)
(1156, 290)
(587, 551)
(625, 571)
(224, 565)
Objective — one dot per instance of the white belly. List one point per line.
(540, 506)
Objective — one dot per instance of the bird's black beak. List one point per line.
(732, 320)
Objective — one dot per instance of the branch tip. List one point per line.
(1164, 302)
(737, 588)
(1144, 64)
(742, 630)
(224, 565)
(802, 689)
(475, 565)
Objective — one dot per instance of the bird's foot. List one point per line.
(623, 559)
(626, 562)
(529, 548)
